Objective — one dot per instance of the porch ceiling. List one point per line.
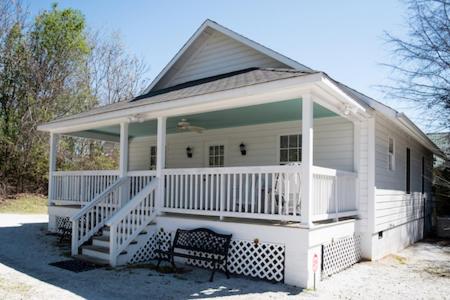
(288, 110)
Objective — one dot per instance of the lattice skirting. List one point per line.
(261, 260)
(60, 221)
(340, 254)
(146, 253)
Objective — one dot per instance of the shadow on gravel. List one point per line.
(29, 249)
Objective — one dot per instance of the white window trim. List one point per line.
(393, 153)
(278, 143)
(215, 143)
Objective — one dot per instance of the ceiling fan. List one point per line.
(184, 125)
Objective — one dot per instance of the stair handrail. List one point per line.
(94, 215)
(138, 212)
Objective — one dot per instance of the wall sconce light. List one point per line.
(243, 149)
(189, 152)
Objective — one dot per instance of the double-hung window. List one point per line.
(290, 148)
(391, 155)
(216, 156)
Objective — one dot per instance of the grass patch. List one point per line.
(24, 204)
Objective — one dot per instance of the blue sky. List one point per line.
(342, 38)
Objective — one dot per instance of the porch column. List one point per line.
(123, 162)
(54, 138)
(307, 160)
(160, 162)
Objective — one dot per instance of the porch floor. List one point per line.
(289, 224)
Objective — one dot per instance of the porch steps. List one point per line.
(97, 251)
(103, 241)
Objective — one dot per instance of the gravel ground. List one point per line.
(419, 272)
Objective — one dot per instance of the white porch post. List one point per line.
(123, 163)
(307, 160)
(54, 138)
(160, 162)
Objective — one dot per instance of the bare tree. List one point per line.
(115, 75)
(421, 73)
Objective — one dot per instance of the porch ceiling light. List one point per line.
(243, 149)
(189, 151)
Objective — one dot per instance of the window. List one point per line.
(391, 155)
(290, 148)
(152, 158)
(216, 155)
(408, 171)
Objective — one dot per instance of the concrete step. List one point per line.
(101, 241)
(106, 231)
(95, 251)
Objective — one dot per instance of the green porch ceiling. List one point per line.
(288, 110)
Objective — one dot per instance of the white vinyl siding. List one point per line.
(216, 54)
(393, 206)
(333, 145)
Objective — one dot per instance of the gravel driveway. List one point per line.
(419, 272)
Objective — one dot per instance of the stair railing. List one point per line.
(129, 221)
(92, 217)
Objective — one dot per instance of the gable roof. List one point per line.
(214, 40)
(270, 66)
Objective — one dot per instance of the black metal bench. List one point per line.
(197, 244)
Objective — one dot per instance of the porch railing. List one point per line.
(139, 180)
(334, 194)
(80, 186)
(268, 192)
(127, 223)
(92, 217)
(264, 192)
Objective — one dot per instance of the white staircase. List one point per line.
(107, 238)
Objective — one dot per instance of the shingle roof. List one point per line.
(203, 86)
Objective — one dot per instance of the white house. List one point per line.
(302, 170)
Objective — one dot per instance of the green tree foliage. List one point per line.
(46, 71)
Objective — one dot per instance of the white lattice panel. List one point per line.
(60, 221)
(160, 239)
(340, 255)
(261, 260)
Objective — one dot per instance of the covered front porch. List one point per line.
(290, 160)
